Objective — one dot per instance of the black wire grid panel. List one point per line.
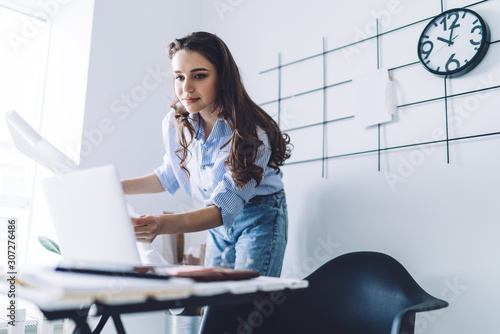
(325, 87)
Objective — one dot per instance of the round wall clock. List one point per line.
(453, 43)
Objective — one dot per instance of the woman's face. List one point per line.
(195, 80)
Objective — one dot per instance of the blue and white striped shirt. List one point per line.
(209, 180)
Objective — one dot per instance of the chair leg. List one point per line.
(226, 318)
(118, 324)
(408, 324)
(82, 327)
(100, 325)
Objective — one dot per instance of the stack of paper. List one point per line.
(49, 288)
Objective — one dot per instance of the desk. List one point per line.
(68, 295)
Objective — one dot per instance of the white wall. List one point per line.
(129, 92)
(438, 219)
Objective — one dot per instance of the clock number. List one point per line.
(443, 22)
(452, 60)
(427, 53)
(454, 25)
(478, 27)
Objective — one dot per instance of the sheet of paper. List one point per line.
(147, 251)
(374, 98)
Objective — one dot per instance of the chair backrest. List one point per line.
(361, 292)
(355, 293)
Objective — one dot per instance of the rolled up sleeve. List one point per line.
(167, 177)
(231, 200)
(165, 172)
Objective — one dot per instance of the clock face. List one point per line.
(453, 43)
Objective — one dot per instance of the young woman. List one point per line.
(224, 151)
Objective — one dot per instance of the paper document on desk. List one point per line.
(149, 255)
(147, 251)
(101, 287)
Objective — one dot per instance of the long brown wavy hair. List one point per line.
(238, 111)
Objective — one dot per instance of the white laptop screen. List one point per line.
(91, 219)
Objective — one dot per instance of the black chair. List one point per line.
(355, 293)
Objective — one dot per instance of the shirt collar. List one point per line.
(220, 129)
(198, 129)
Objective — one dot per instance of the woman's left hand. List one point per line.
(146, 228)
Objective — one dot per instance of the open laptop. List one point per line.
(91, 218)
(87, 206)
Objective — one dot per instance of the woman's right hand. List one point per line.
(146, 228)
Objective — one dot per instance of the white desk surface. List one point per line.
(53, 290)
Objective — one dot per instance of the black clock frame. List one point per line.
(478, 57)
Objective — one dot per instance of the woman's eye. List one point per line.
(200, 76)
(178, 77)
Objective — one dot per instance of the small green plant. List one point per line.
(49, 244)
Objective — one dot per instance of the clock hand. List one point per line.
(441, 48)
(451, 35)
(449, 42)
